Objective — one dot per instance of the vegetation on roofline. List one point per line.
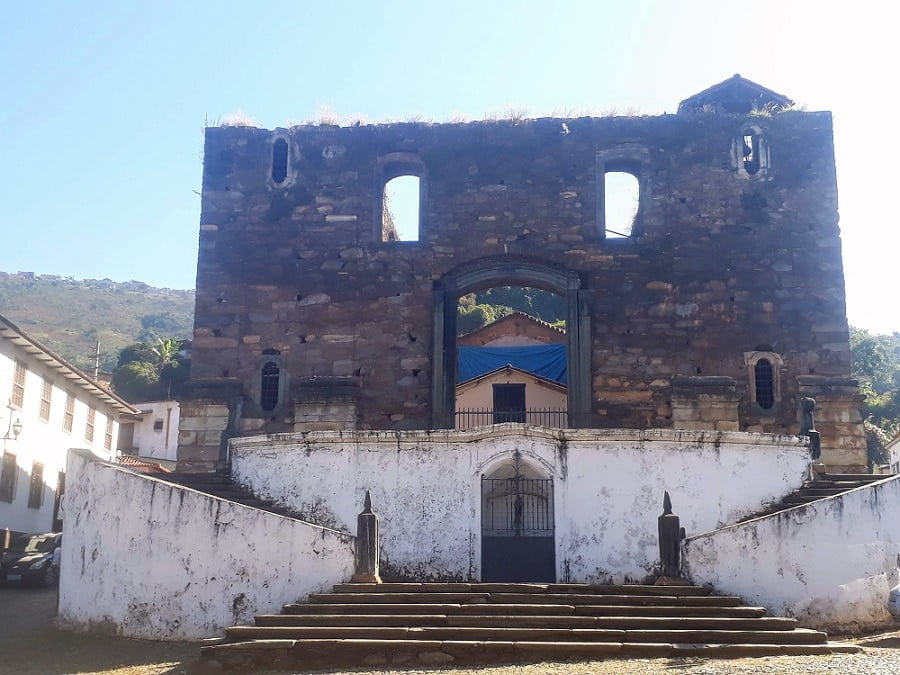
(511, 113)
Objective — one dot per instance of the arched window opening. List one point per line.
(400, 209)
(621, 191)
(269, 386)
(750, 146)
(764, 382)
(279, 161)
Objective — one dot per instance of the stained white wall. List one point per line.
(608, 488)
(143, 558)
(830, 564)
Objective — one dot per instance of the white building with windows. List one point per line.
(50, 406)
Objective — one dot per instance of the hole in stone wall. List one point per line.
(400, 209)
(279, 161)
(621, 192)
(751, 152)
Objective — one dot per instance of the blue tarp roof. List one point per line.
(547, 361)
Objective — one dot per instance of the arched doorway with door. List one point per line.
(517, 523)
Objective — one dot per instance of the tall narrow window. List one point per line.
(621, 193)
(36, 489)
(17, 397)
(269, 386)
(764, 382)
(8, 478)
(400, 212)
(279, 161)
(46, 399)
(69, 413)
(107, 437)
(401, 194)
(89, 425)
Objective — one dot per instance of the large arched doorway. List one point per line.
(517, 530)
(490, 272)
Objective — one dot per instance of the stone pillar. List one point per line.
(704, 403)
(326, 404)
(670, 536)
(207, 412)
(367, 546)
(838, 420)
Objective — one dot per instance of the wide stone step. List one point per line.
(527, 598)
(525, 621)
(525, 609)
(602, 589)
(441, 633)
(336, 653)
(820, 492)
(858, 477)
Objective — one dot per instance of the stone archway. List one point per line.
(489, 272)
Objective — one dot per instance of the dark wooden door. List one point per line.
(509, 403)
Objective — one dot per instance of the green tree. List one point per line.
(150, 371)
(138, 381)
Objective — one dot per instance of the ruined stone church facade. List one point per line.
(720, 309)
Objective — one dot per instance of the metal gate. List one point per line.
(517, 529)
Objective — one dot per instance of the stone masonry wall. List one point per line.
(721, 262)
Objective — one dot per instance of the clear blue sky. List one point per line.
(103, 103)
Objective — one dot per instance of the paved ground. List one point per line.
(31, 645)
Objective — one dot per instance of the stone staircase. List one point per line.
(824, 485)
(219, 484)
(428, 624)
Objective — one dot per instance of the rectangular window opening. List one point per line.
(8, 478)
(69, 414)
(36, 490)
(17, 398)
(46, 399)
(621, 199)
(400, 209)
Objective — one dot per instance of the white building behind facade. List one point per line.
(48, 407)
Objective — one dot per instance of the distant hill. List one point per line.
(69, 315)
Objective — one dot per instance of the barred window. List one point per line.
(269, 385)
(764, 382)
(18, 390)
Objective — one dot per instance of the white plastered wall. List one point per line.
(608, 488)
(144, 558)
(830, 564)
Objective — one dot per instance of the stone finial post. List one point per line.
(670, 536)
(367, 545)
(808, 426)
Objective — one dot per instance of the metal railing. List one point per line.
(467, 418)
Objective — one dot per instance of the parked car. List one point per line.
(32, 559)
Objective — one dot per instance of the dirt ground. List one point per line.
(30, 644)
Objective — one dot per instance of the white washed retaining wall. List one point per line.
(143, 558)
(830, 564)
(608, 488)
